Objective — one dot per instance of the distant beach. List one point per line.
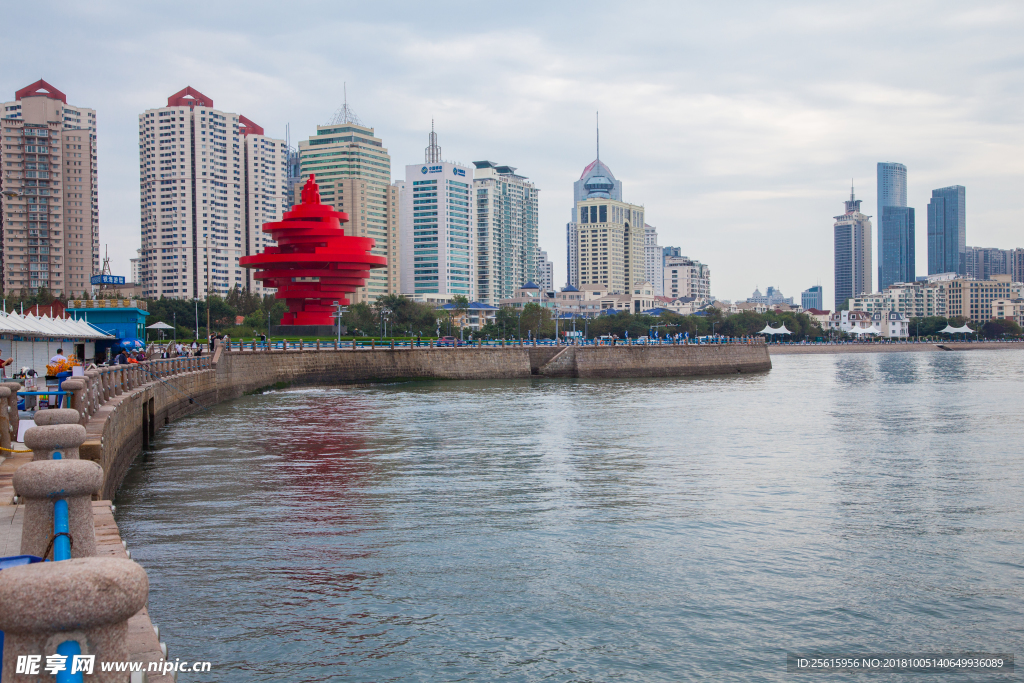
(784, 349)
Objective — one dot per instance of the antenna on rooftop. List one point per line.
(433, 151)
(345, 114)
(597, 117)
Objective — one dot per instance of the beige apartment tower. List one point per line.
(49, 211)
(353, 170)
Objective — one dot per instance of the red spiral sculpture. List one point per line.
(312, 244)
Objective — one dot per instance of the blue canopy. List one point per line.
(131, 344)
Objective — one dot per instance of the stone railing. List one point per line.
(100, 384)
(74, 610)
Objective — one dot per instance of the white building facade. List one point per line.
(545, 271)
(653, 260)
(209, 180)
(683, 276)
(507, 230)
(437, 244)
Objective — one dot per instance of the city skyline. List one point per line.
(754, 166)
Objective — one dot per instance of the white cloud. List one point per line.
(738, 125)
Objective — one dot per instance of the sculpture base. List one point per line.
(308, 331)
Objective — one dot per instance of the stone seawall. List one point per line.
(240, 372)
(126, 423)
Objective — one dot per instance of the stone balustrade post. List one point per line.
(94, 390)
(108, 384)
(118, 378)
(58, 431)
(12, 407)
(76, 399)
(39, 484)
(5, 422)
(87, 600)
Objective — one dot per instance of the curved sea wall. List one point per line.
(239, 372)
(157, 393)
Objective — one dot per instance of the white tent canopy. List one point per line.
(45, 326)
(160, 326)
(865, 330)
(956, 330)
(768, 329)
(32, 340)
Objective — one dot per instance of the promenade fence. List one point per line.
(361, 345)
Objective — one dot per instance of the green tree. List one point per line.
(1000, 328)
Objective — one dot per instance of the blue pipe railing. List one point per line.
(62, 551)
(69, 649)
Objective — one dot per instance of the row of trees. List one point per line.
(403, 317)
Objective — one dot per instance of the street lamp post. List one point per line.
(339, 310)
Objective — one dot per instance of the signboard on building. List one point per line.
(107, 280)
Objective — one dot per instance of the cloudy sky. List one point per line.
(738, 125)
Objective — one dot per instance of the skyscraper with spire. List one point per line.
(437, 242)
(852, 235)
(605, 237)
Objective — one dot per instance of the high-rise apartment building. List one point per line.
(353, 169)
(209, 180)
(135, 266)
(983, 262)
(49, 210)
(606, 237)
(685, 277)
(654, 262)
(812, 297)
(896, 261)
(1016, 264)
(947, 231)
(507, 231)
(852, 252)
(545, 272)
(436, 240)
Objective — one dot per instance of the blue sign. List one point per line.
(106, 280)
(459, 171)
(433, 169)
(423, 170)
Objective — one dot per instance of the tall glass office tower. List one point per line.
(947, 231)
(895, 227)
(892, 185)
(896, 246)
